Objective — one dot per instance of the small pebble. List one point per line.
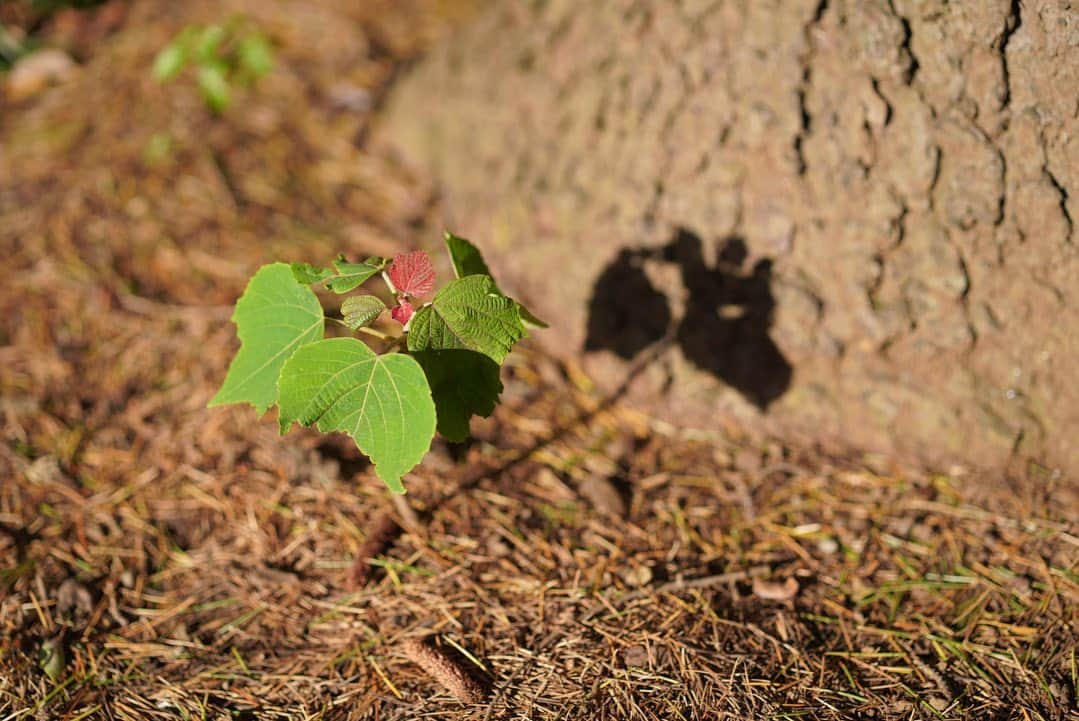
(827, 545)
(35, 72)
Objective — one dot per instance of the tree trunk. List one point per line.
(849, 219)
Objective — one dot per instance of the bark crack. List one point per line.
(1011, 25)
(1063, 203)
(908, 34)
(803, 88)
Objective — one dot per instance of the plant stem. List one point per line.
(364, 329)
(377, 333)
(397, 343)
(388, 282)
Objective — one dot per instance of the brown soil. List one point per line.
(578, 559)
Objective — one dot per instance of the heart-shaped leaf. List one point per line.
(352, 275)
(463, 383)
(274, 316)
(360, 311)
(383, 402)
(469, 313)
(467, 260)
(307, 274)
(412, 273)
(466, 257)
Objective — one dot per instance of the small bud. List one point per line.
(402, 312)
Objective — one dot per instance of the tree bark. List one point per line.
(850, 219)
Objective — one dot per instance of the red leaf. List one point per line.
(402, 312)
(412, 273)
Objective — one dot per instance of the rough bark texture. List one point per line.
(853, 218)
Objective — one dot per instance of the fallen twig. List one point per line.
(680, 585)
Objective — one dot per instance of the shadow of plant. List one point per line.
(724, 330)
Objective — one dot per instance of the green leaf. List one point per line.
(307, 274)
(255, 55)
(170, 61)
(214, 86)
(275, 316)
(467, 260)
(360, 311)
(52, 658)
(352, 275)
(383, 402)
(469, 313)
(463, 383)
(529, 319)
(208, 42)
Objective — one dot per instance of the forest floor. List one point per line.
(577, 560)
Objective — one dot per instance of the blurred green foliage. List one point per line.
(222, 56)
(11, 49)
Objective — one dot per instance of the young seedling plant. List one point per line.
(223, 55)
(437, 372)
